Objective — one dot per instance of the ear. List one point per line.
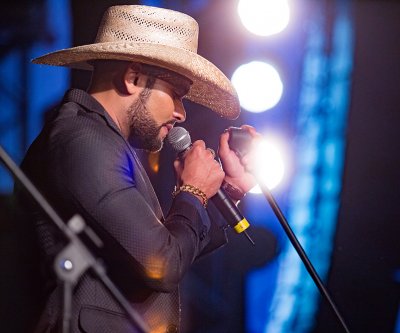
(133, 79)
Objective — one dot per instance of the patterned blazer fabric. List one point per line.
(82, 164)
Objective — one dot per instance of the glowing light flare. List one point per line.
(155, 268)
(264, 17)
(258, 85)
(154, 161)
(270, 164)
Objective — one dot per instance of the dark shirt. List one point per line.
(83, 165)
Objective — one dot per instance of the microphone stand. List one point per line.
(240, 142)
(75, 258)
(299, 249)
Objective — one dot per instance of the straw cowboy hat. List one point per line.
(159, 37)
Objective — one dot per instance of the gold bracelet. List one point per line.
(191, 189)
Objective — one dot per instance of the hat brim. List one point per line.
(210, 88)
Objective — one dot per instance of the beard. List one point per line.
(144, 130)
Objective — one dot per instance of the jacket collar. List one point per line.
(88, 102)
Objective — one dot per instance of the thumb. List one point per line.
(178, 166)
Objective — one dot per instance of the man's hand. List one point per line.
(200, 169)
(238, 171)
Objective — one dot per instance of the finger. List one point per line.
(252, 131)
(199, 143)
(223, 140)
(212, 152)
(178, 165)
(249, 128)
(217, 171)
(256, 137)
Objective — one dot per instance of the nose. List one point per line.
(179, 112)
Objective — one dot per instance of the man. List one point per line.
(144, 62)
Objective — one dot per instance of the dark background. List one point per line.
(365, 270)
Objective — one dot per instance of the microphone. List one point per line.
(180, 141)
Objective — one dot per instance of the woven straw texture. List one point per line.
(159, 37)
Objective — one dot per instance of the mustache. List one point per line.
(171, 122)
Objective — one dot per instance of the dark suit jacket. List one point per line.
(82, 164)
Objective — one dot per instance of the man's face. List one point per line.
(153, 114)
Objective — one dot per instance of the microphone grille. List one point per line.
(179, 139)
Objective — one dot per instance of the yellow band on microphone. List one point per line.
(241, 226)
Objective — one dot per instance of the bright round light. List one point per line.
(264, 17)
(258, 85)
(270, 167)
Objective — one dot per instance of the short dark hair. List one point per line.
(179, 83)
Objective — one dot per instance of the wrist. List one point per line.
(199, 194)
(232, 191)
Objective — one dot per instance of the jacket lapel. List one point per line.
(143, 183)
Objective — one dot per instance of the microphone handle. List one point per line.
(221, 200)
(231, 213)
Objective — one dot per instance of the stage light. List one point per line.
(259, 86)
(270, 164)
(264, 17)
